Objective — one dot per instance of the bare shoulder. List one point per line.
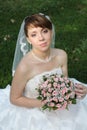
(24, 65)
(22, 73)
(61, 56)
(60, 52)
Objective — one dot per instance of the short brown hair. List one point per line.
(37, 20)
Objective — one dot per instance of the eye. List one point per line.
(45, 30)
(33, 35)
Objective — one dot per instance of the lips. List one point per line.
(43, 44)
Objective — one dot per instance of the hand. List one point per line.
(80, 90)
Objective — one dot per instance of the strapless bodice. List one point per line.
(32, 84)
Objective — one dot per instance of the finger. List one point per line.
(79, 86)
(81, 91)
(79, 94)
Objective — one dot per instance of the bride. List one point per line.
(36, 56)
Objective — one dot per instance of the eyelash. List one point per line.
(33, 35)
(44, 31)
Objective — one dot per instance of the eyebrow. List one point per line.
(36, 31)
(33, 32)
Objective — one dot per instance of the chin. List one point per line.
(45, 48)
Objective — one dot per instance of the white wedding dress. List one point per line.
(19, 118)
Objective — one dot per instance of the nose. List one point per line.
(41, 37)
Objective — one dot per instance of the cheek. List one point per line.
(31, 40)
(49, 37)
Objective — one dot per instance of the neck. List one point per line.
(42, 56)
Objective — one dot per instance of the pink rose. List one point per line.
(56, 79)
(52, 104)
(63, 85)
(67, 96)
(61, 79)
(63, 91)
(55, 99)
(58, 105)
(49, 85)
(61, 99)
(55, 93)
(50, 90)
(55, 84)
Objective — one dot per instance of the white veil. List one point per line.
(22, 45)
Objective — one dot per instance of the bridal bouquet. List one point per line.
(56, 92)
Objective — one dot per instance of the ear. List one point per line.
(28, 40)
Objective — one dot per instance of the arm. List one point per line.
(18, 85)
(80, 90)
(63, 58)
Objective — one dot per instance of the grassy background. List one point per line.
(70, 20)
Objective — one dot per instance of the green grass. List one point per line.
(70, 20)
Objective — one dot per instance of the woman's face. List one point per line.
(40, 38)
